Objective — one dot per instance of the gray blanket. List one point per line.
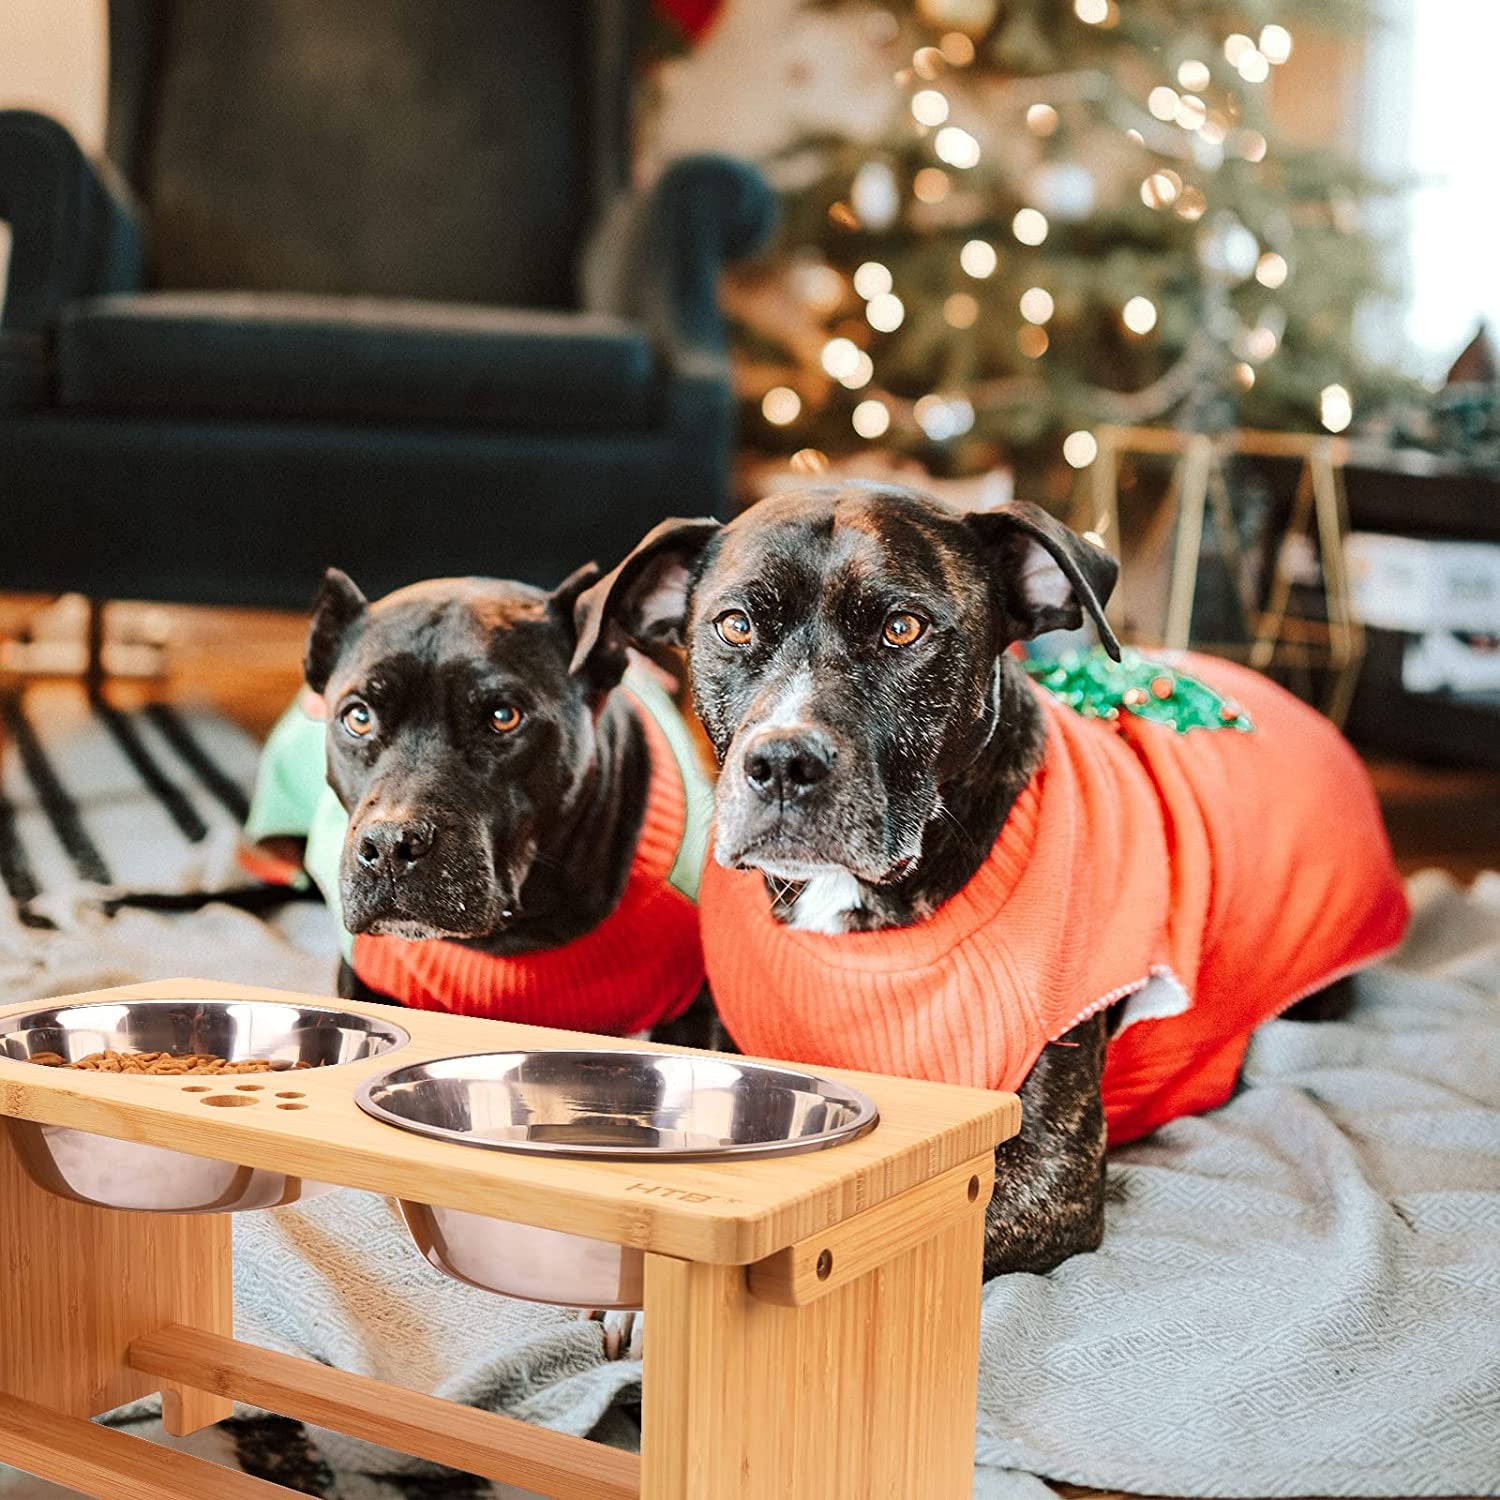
(1297, 1295)
(1300, 1293)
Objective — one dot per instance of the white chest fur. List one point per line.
(825, 903)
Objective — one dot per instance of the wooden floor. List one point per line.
(248, 662)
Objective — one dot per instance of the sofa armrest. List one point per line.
(74, 231)
(656, 255)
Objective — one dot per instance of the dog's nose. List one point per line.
(785, 766)
(389, 847)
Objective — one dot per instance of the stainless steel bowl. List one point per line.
(126, 1174)
(604, 1105)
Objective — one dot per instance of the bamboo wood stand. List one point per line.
(812, 1322)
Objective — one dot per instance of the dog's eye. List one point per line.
(734, 627)
(903, 628)
(359, 720)
(505, 717)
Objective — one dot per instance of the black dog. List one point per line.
(850, 661)
(916, 759)
(494, 796)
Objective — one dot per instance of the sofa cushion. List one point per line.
(394, 148)
(252, 354)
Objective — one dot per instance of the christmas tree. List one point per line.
(1076, 212)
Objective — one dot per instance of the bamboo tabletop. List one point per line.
(727, 1213)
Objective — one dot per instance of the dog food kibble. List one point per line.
(163, 1063)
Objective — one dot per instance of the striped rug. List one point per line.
(100, 806)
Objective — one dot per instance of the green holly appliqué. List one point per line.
(1094, 685)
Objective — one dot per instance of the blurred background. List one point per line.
(419, 288)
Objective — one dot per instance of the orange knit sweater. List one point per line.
(1248, 869)
(641, 965)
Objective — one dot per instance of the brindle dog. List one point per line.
(848, 648)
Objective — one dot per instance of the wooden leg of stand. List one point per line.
(868, 1392)
(78, 1284)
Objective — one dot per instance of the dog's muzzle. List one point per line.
(416, 878)
(785, 766)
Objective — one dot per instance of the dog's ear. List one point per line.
(563, 600)
(642, 602)
(1049, 575)
(339, 611)
(562, 603)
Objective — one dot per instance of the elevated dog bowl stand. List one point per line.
(811, 1322)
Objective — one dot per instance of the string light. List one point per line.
(885, 312)
(1192, 205)
(1160, 189)
(871, 419)
(931, 185)
(1163, 102)
(956, 147)
(1215, 128)
(872, 280)
(1335, 409)
(1036, 304)
(1041, 119)
(927, 62)
(861, 376)
(1191, 112)
(1253, 67)
(781, 406)
(1136, 136)
(808, 461)
(1033, 341)
(1080, 449)
(1276, 43)
(957, 48)
(1139, 315)
(1261, 342)
(876, 195)
(840, 357)
(1091, 12)
(929, 107)
(1271, 269)
(1193, 75)
(936, 418)
(961, 310)
(979, 259)
(818, 285)
(1244, 375)
(1029, 226)
(1237, 47)
(1252, 145)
